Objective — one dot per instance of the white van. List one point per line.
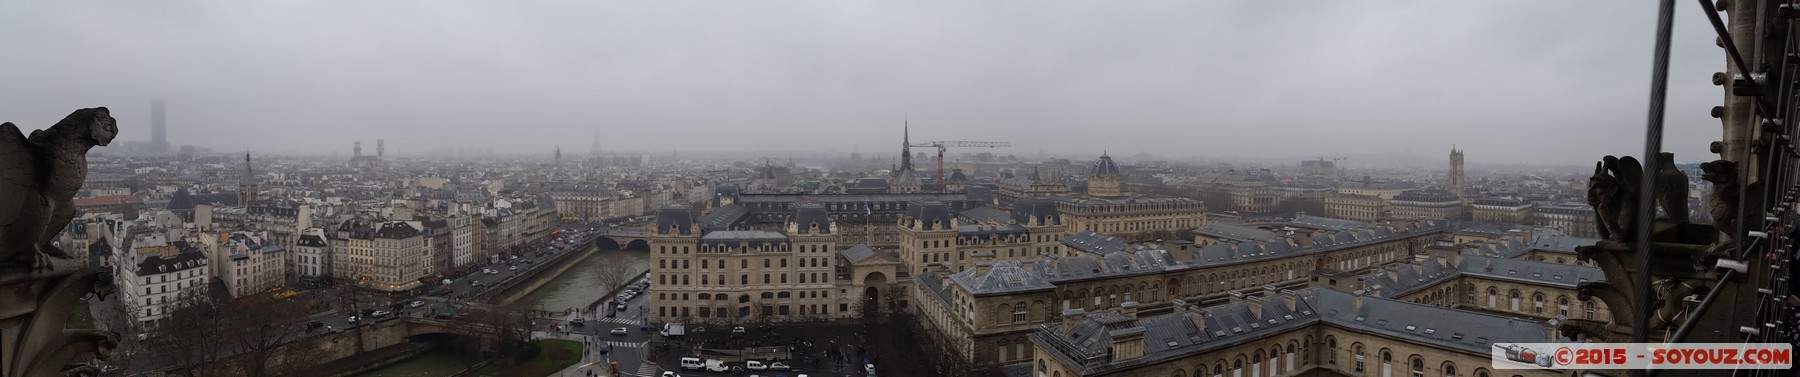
(716, 366)
(691, 363)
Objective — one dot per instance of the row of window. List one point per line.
(743, 263)
(744, 279)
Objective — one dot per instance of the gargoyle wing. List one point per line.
(18, 174)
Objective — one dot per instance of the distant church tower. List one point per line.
(248, 186)
(1456, 174)
(558, 156)
(380, 148)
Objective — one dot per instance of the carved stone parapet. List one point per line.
(35, 307)
(1678, 258)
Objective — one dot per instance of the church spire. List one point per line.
(905, 145)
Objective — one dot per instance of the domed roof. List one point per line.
(1105, 166)
(956, 175)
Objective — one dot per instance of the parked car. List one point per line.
(619, 331)
(314, 325)
(416, 304)
(777, 366)
(380, 313)
(755, 365)
(352, 319)
(737, 330)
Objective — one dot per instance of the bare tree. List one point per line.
(112, 316)
(257, 328)
(611, 275)
(189, 334)
(503, 327)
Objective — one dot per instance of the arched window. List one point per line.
(1331, 347)
(1418, 366)
(1587, 307)
(1562, 306)
(1356, 350)
(1449, 369)
(1537, 303)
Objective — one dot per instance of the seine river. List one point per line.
(574, 288)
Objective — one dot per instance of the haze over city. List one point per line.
(1510, 82)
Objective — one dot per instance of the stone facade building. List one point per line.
(382, 255)
(254, 264)
(1428, 204)
(1505, 210)
(1311, 331)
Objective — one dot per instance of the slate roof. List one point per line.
(676, 215)
(180, 201)
(1563, 244)
(396, 230)
(725, 217)
(872, 183)
(1002, 277)
(1175, 335)
(932, 215)
(980, 214)
(310, 240)
(860, 252)
(108, 200)
(1033, 210)
(808, 215)
(1105, 166)
(1542, 273)
(1427, 196)
(1235, 232)
(735, 238)
(187, 257)
(1324, 223)
(1094, 242)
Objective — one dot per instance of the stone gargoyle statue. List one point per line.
(39, 176)
(1671, 189)
(1723, 203)
(40, 284)
(1613, 191)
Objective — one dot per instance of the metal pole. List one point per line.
(1659, 89)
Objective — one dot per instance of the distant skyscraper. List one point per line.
(159, 141)
(594, 149)
(1456, 173)
(380, 148)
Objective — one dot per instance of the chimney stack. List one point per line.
(1256, 306)
(1290, 300)
(1129, 309)
(1198, 317)
(1072, 317)
(981, 268)
(1356, 300)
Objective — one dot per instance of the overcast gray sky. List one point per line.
(1508, 81)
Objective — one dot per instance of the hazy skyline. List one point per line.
(1526, 82)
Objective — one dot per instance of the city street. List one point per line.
(526, 260)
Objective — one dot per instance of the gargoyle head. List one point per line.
(88, 127)
(1719, 172)
(1603, 188)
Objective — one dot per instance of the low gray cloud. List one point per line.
(1509, 81)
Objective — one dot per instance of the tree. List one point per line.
(256, 330)
(611, 275)
(110, 315)
(504, 327)
(189, 334)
